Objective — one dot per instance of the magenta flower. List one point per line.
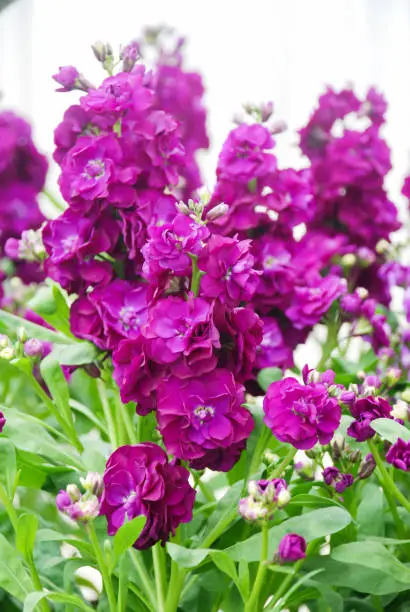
(334, 478)
(273, 351)
(86, 322)
(66, 77)
(136, 375)
(292, 547)
(365, 410)
(170, 245)
(399, 455)
(310, 303)
(119, 93)
(139, 480)
(202, 420)
(228, 266)
(301, 415)
(273, 255)
(182, 333)
(2, 421)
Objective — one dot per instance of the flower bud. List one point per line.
(348, 260)
(33, 348)
(8, 353)
(21, 335)
(283, 498)
(101, 50)
(292, 547)
(400, 410)
(266, 110)
(4, 341)
(218, 211)
(362, 293)
(382, 246)
(73, 492)
(251, 510)
(367, 467)
(278, 127)
(355, 456)
(393, 376)
(93, 482)
(182, 208)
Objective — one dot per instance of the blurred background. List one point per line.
(280, 50)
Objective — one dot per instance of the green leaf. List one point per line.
(127, 534)
(57, 385)
(390, 430)
(7, 465)
(80, 353)
(51, 305)
(313, 501)
(13, 576)
(11, 323)
(294, 588)
(49, 535)
(243, 579)
(370, 513)
(224, 563)
(26, 534)
(187, 557)
(35, 597)
(372, 555)
(267, 376)
(311, 525)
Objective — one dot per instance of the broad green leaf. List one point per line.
(226, 507)
(128, 534)
(7, 465)
(370, 513)
(267, 376)
(390, 430)
(372, 555)
(243, 579)
(313, 501)
(50, 304)
(11, 323)
(26, 534)
(311, 525)
(80, 353)
(35, 597)
(13, 576)
(29, 436)
(187, 557)
(224, 563)
(57, 385)
(293, 589)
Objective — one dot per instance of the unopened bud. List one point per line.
(266, 110)
(33, 348)
(393, 376)
(93, 483)
(8, 353)
(382, 246)
(283, 498)
(218, 211)
(355, 456)
(362, 293)
(21, 335)
(101, 50)
(367, 467)
(400, 410)
(252, 510)
(348, 260)
(4, 341)
(182, 208)
(74, 492)
(277, 127)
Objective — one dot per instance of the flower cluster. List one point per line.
(79, 506)
(22, 175)
(139, 480)
(264, 497)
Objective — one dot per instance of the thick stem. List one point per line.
(389, 484)
(160, 575)
(253, 602)
(286, 583)
(144, 577)
(329, 345)
(102, 565)
(278, 471)
(196, 275)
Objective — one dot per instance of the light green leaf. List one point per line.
(80, 353)
(370, 513)
(7, 465)
(13, 576)
(35, 597)
(51, 305)
(390, 430)
(267, 376)
(26, 534)
(372, 555)
(187, 557)
(127, 534)
(224, 563)
(243, 579)
(311, 525)
(49, 535)
(57, 385)
(11, 323)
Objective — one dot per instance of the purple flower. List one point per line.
(245, 155)
(276, 285)
(292, 196)
(170, 245)
(119, 93)
(399, 455)
(301, 414)
(67, 77)
(273, 352)
(139, 480)
(292, 547)
(2, 421)
(365, 410)
(202, 420)
(240, 331)
(182, 333)
(311, 303)
(228, 266)
(136, 375)
(334, 478)
(34, 348)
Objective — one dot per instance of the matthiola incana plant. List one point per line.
(204, 395)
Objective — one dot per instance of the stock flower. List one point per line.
(365, 410)
(66, 77)
(202, 420)
(2, 421)
(301, 414)
(182, 333)
(79, 506)
(120, 93)
(264, 497)
(334, 478)
(399, 455)
(170, 245)
(292, 547)
(139, 480)
(137, 376)
(272, 351)
(273, 255)
(309, 304)
(228, 265)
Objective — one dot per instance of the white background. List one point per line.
(280, 50)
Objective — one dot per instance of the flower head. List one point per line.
(292, 547)
(399, 455)
(365, 410)
(139, 480)
(2, 421)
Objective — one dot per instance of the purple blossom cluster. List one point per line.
(22, 175)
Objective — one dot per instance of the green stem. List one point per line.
(258, 452)
(196, 275)
(389, 484)
(286, 583)
(205, 491)
(175, 587)
(278, 471)
(99, 555)
(112, 433)
(8, 505)
(329, 345)
(158, 559)
(253, 601)
(44, 605)
(219, 529)
(55, 202)
(144, 577)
